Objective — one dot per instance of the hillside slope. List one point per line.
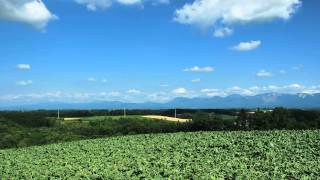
(274, 154)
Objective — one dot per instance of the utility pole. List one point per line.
(58, 113)
(124, 112)
(175, 113)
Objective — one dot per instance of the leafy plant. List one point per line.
(198, 155)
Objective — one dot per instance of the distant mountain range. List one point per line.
(233, 101)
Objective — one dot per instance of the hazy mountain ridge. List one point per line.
(268, 100)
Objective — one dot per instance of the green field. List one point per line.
(101, 118)
(200, 155)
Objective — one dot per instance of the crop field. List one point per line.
(102, 118)
(166, 118)
(269, 154)
(97, 118)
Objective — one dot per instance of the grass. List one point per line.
(166, 118)
(100, 118)
(129, 117)
(199, 155)
(97, 118)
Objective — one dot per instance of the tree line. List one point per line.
(20, 129)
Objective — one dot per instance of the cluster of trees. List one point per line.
(117, 112)
(27, 129)
(28, 119)
(277, 119)
(20, 129)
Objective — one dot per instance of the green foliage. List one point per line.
(200, 155)
(202, 121)
(242, 121)
(28, 119)
(21, 129)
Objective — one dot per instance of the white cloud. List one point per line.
(164, 85)
(199, 69)
(295, 86)
(129, 2)
(213, 92)
(162, 96)
(159, 97)
(212, 13)
(93, 5)
(311, 90)
(247, 46)
(179, 91)
(222, 32)
(239, 90)
(104, 80)
(273, 88)
(263, 73)
(209, 90)
(24, 83)
(196, 80)
(282, 71)
(114, 94)
(291, 89)
(134, 91)
(33, 12)
(298, 67)
(23, 66)
(91, 79)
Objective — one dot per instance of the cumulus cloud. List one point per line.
(295, 86)
(298, 67)
(114, 94)
(129, 2)
(196, 80)
(199, 69)
(163, 96)
(211, 12)
(263, 73)
(214, 13)
(222, 32)
(94, 5)
(159, 97)
(33, 12)
(23, 66)
(134, 91)
(254, 90)
(247, 46)
(24, 83)
(213, 92)
(179, 91)
(239, 90)
(282, 71)
(92, 79)
(164, 85)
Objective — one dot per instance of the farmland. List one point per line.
(166, 118)
(198, 155)
(132, 117)
(23, 129)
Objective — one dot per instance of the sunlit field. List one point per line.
(200, 155)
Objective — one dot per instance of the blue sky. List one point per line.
(155, 50)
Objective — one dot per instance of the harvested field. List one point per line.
(167, 118)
